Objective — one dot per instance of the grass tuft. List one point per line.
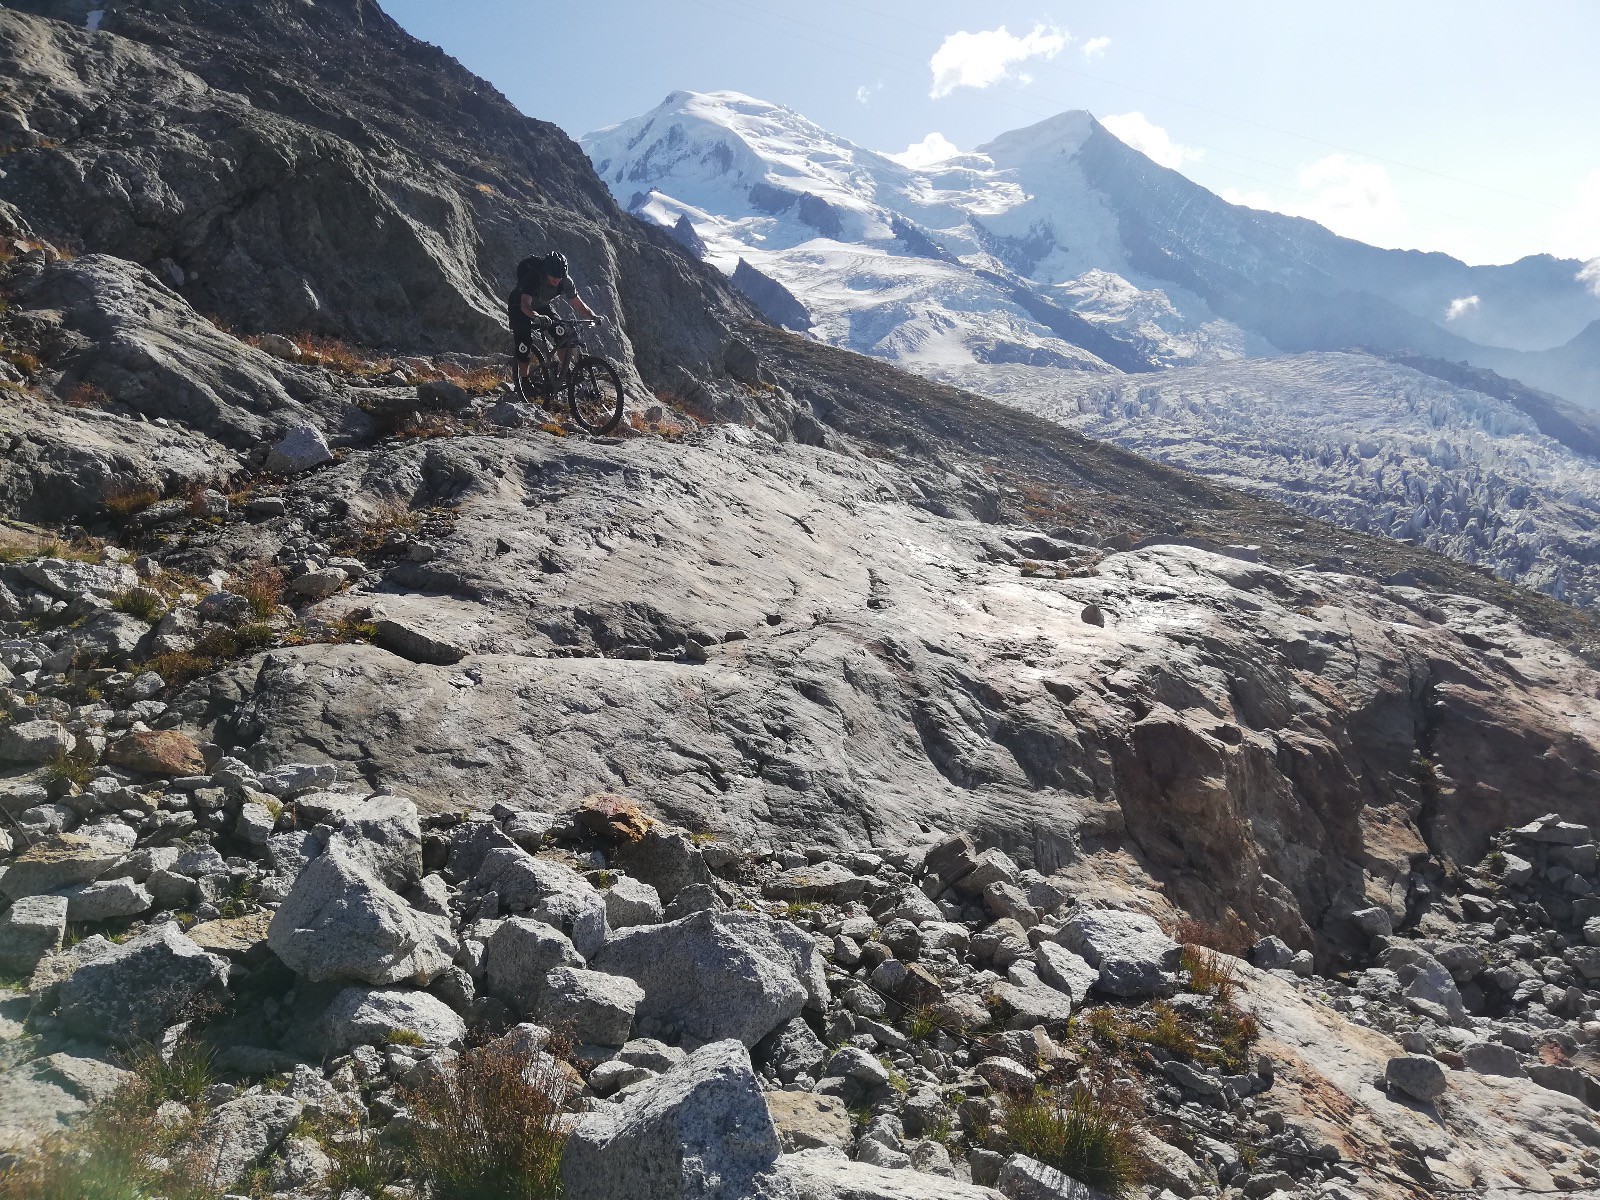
(261, 584)
(1070, 1131)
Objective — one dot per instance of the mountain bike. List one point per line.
(593, 388)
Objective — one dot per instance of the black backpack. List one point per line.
(530, 272)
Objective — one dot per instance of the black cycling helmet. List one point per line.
(555, 265)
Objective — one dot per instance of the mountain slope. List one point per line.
(1069, 216)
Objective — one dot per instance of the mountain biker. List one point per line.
(541, 280)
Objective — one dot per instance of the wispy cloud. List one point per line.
(983, 59)
(1095, 48)
(1352, 198)
(1461, 306)
(935, 148)
(1155, 143)
(867, 91)
(1590, 276)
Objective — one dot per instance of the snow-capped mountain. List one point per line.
(1058, 245)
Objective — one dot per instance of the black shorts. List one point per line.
(521, 331)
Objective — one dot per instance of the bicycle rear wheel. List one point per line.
(594, 393)
(535, 388)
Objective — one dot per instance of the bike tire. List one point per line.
(535, 389)
(594, 394)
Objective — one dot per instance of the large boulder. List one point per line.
(1426, 983)
(31, 742)
(386, 833)
(596, 1008)
(340, 922)
(1128, 949)
(58, 862)
(715, 975)
(702, 1130)
(548, 890)
(371, 1016)
(135, 991)
(157, 752)
(820, 1174)
(67, 579)
(518, 957)
(666, 859)
(239, 1134)
(1024, 1178)
(32, 928)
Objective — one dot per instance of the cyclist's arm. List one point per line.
(582, 309)
(528, 310)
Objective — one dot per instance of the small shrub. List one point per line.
(1235, 1032)
(1166, 1031)
(491, 1130)
(178, 667)
(71, 768)
(87, 395)
(124, 500)
(921, 1022)
(183, 1075)
(1496, 862)
(144, 603)
(1070, 1131)
(1209, 973)
(1231, 936)
(404, 1037)
(260, 583)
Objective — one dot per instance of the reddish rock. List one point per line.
(158, 752)
(614, 817)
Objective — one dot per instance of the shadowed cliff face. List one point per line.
(314, 168)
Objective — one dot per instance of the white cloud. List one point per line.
(1590, 275)
(980, 60)
(1095, 48)
(1154, 142)
(867, 91)
(1577, 231)
(1461, 306)
(1355, 199)
(935, 148)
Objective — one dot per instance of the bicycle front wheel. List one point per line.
(594, 394)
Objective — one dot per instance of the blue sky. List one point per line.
(1468, 126)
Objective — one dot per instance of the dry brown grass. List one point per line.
(128, 498)
(372, 532)
(178, 667)
(1230, 936)
(477, 381)
(490, 1130)
(341, 356)
(87, 395)
(1210, 972)
(261, 584)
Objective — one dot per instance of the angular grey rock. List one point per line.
(340, 922)
(1551, 830)
(716, 975)
(828, 882)
(518, 957)
(551, 891)
(665, 859)
(135, 991)
(989, 867)
(1493, 1058)
(32, 928)
(32, 742)
(700, 1132)
(1065, 971)
(632, 902)
(411, 641)
(1418, 1076)
(1024, 1178)
(1271, 954)
(1374, 921)
(301, 449)
(57, 862)
(368, 1016)
(693, 898)
(107, 899)
(238, 1135)
(597, 1008)
(1129, 950)
(319, 585)
(792, 1050)
(291, 779)
(67, 578)
(854, 1063)
(1425, 983)
(821, 1174)
(386, 833)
